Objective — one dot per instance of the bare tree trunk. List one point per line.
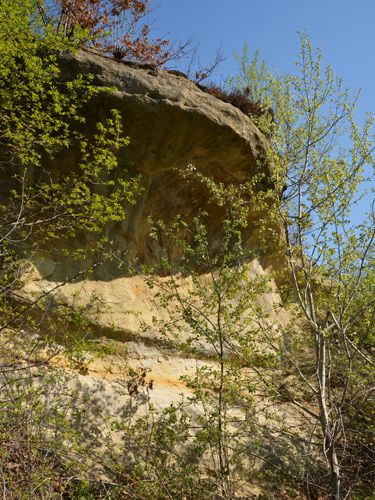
(329, 437)
(335, 475)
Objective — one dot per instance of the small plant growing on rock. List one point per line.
(243, 101)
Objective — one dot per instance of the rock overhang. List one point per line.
(170, 121)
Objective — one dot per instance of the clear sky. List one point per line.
(344, 29)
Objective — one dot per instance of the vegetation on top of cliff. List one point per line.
(121, 28)
(243, 100)
(110, 26)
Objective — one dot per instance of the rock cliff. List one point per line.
(171, 123)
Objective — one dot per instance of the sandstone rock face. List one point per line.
(171, 123)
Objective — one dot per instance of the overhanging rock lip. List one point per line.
(173, 94)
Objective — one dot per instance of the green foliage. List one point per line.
(34, 111)
(41, 118)
(323, 164)
(321, 333)
(211, 295)
(43, 207)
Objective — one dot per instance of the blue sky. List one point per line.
(344, 29)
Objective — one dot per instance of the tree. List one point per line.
(122, 29)
(206, 283)
(323, 162)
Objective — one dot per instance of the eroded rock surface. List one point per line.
(169, 120)
(171, 123)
